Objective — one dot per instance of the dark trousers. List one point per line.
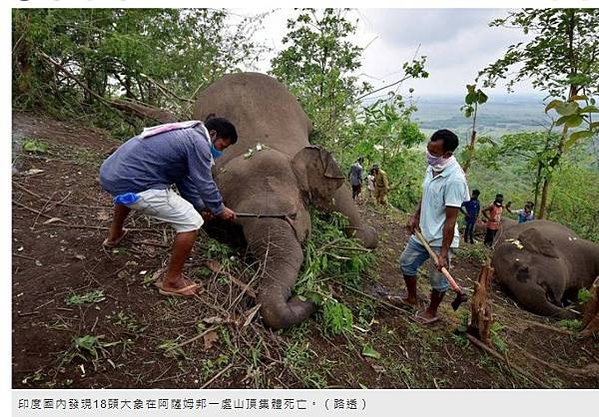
(490, 237)
(355, 190)
(469, 232)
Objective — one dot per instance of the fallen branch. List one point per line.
(591, 370)
(39, 213)
(498, 356)
(144, 110)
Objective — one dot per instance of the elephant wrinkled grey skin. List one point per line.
(282, 176)
(543, 264)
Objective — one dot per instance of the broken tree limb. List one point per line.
(591, 370)
(481, 317)
(498, 356)
(139, 109)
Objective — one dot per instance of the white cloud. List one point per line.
(457, 43)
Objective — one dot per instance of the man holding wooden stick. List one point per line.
(443, 191)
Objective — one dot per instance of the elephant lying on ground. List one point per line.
(543, 264)
(282, 174)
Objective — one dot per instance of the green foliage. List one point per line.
(572, 325)
(560, 55)
(95, 296)
(330, 255)
(35, 145)
(88, 345)
(369, 352)
(157, 56)
(584, 295)
(496, 337)
(337, 318)
(217, 250)
(317, 66)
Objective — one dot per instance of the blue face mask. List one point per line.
(215, 152)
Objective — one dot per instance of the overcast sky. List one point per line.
(457, 43)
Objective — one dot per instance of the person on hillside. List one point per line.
(381, 185)
(355, 178)
(443, 191)
(492, 214)
(139, 175)
(471, 215)
(524, 215)
(370, 184)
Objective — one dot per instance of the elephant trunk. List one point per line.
(274, 242)
(363, 232)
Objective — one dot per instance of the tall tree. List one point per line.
(562, 59)
(319, 64)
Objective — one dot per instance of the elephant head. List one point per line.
(318, 175)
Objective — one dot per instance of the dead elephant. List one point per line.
(273, 169)
(543, 265)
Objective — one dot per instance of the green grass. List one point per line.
(95, 296)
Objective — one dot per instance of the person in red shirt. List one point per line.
(493, 216)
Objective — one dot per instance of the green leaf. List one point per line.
(589, 109)
(369, 352)
(575, 98)
(566, 109)
(561, 120)
(482, 97)
(574, 120)
(470, 98)
(577, 136)
(553, 104)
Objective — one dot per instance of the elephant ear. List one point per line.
(318, 174)
(534, 241)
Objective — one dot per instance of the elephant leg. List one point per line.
(275, 243)
(534, 298)
(346, 206)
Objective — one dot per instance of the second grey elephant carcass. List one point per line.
(282, 174)
(543, 264)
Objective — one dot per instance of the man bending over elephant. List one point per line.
(139, 175)
(443, 191)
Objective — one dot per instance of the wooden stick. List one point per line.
(496, 355)
(404, 310)
(215, 377)
(193, 339)
(33, 210)
(43, 209)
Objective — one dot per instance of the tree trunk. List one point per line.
(544, 195)
(590, 319)
(481, 317)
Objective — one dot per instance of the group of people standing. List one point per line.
(377, 182)
(492, 216)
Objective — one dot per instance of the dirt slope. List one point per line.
(85, 317)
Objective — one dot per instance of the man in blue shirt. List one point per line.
(140, 173)
(471, 214)
(443, 191)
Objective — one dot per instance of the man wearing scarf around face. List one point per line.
(443, 191)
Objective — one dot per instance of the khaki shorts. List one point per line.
(168, 206)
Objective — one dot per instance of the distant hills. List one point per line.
(501, 114)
